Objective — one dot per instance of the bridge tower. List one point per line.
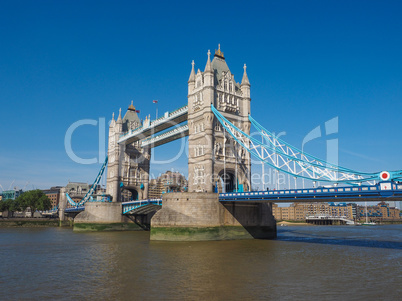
(128, 165)
(217, 163)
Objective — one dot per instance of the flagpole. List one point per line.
(156, 102)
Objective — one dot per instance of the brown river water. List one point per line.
(304, 263)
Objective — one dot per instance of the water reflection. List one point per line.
(304, 263)
(346, 236)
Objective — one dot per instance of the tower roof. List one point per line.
(130, 117)
(219, 64)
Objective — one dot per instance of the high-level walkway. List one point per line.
(150, 128)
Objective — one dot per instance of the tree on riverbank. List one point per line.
(9, 206)
(34, 199)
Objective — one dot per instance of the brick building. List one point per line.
(378, 213)
(299, 211)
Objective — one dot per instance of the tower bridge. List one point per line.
(219, 203)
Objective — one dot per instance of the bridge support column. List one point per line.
(99, 216)
(200, 216)
(62, 206)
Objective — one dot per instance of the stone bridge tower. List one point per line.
(217, 163)
(128, 165)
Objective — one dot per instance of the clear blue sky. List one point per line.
(308, 61)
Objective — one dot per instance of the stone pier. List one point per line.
(100, 216)
(200, 216)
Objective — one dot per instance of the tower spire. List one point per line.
(192, 74)
(245, 80)
(112, 122)
(219, 53)
(208, 67)
(131, 107)
(119, 120)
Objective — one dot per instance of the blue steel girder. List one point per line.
(92, 189)
(128, 207)
(371, 193)
(74, 209)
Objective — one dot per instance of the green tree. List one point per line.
(10, 206)
(34, 199)
(14, 205)
(5, 205)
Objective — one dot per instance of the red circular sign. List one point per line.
(384, 175)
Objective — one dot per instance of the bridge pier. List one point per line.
(101, 216)
(200, 216)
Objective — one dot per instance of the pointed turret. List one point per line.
(191, 80)
(208, 67)
(245, 84)
(119, 123)
(192, 74)
(113, 122)
(119, 120)
(208, 72)
(245, 80)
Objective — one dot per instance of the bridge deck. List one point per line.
(138, 207)
(369, 193)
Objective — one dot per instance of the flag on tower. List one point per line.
(137, 111)
(155, 101)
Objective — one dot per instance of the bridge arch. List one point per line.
(227, 181)
(131, 193)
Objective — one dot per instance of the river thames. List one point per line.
(304, 263)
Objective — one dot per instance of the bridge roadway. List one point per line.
(369, 193)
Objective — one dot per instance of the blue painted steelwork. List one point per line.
(292, 161)
(50, 212)
(129, 206)
(95, 184)
(75, 209)
(284, 148)
(380, 191)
